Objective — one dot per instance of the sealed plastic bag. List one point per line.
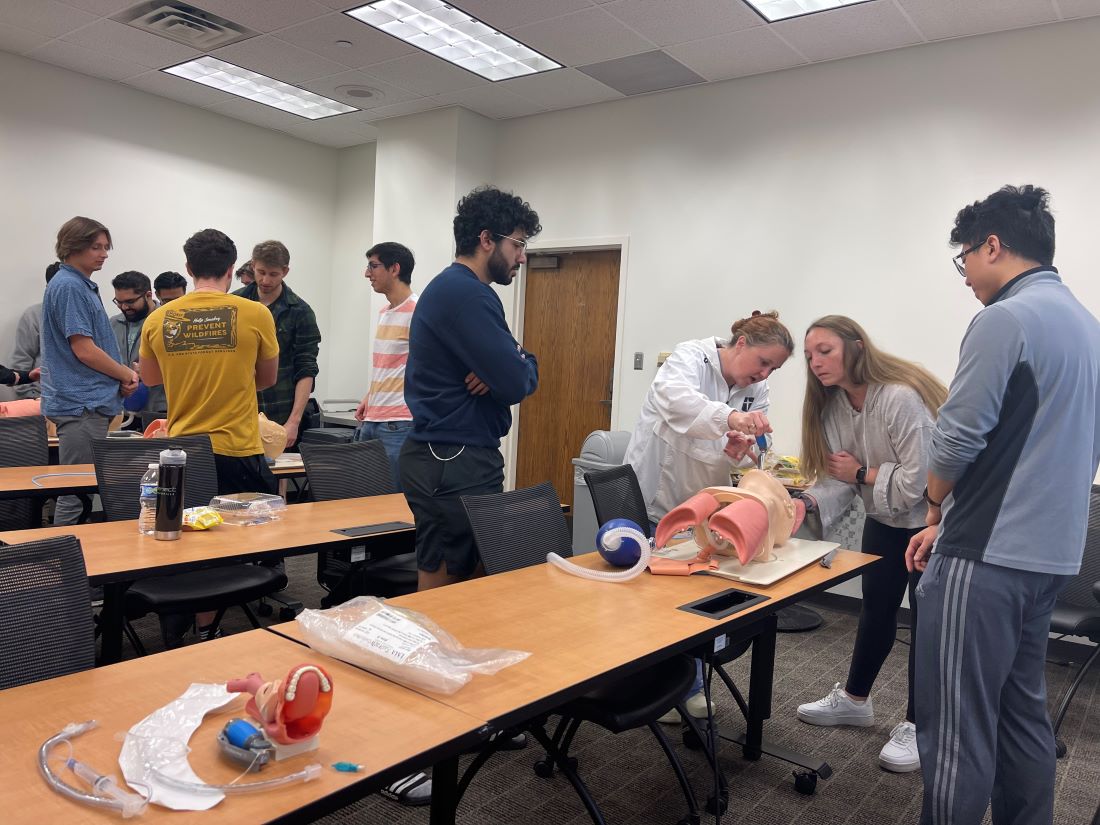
(402, 645)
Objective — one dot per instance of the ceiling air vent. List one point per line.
(185, 24)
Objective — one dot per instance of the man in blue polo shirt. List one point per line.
(82, 380)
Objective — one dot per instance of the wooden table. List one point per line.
(583, 633)
(390, 730)
(116, 555)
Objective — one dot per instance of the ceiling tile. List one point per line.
(863, 29)
(344, 5)
(104, 8)
(938, 19)
(368, 45)
(426, 74)
(388, 94)
(510, 13)
(43, 16)
(109, 37)
(561, 89)
(737, 54)
(590, 36)
(409, 107)
(20, 41)
(677, 21)
(274, 58)
(177, 88)
(338, 132)
(86, 61)
(642, 73)
(493, 102)
(266, 16)
(1078, 8)
(257, 113)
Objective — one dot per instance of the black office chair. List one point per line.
(353, 470)
(44, 610)
(517, 529)
(119, 466)
(1077, 611)
(23, 443)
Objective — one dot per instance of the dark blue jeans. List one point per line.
(392, 434)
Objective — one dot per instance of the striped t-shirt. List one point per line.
(386, 397)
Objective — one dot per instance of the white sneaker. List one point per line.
(900, 753)
(696, 705)
(837, 708)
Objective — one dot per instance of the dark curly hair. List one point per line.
(210, 253)
(135, 281)
(489, 208)
(1019, 215)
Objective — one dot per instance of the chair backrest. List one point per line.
(349, 470)
(1078, 591)
(616, 494)
(121, 462)
(326, 435)
(517, 529)
(23, 443)
(45, 610)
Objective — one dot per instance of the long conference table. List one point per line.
(116, 554)
(580, 634)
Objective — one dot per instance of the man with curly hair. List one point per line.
(465, 370)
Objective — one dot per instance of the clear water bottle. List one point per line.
(147, 518)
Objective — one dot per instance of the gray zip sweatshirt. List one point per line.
(1020, 432)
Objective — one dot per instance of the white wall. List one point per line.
(347, 339)
(824, 189)
(154, 172)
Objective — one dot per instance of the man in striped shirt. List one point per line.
(382, 410)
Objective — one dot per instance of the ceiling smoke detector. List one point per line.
(185, 24)
(360, 93)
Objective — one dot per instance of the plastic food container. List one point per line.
(248, 508)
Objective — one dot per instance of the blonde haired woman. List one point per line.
(867, 421)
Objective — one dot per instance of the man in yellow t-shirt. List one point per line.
(212, 352)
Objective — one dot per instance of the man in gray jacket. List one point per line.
(134, 296)
(27, 353)
(1013, 456)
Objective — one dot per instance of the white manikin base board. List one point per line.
(790, 558)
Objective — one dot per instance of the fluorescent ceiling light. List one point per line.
(251, 85)
(450, 33)
(772, 10)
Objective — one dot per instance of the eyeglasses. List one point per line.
(130, 304)
(516, 241)
(373, 265)
(960, 260)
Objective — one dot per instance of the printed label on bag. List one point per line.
(391, 635)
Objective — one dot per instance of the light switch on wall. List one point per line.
(662, 357)
(639, 360)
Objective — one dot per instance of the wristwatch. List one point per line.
(928, 500)
(861, 475)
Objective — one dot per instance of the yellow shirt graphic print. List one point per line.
(208, 329)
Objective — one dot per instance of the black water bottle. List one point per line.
(173, 463)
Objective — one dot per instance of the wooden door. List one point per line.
(569, 324)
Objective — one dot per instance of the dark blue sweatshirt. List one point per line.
(458, 328)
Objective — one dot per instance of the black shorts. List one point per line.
(244, 474)
(433, 486)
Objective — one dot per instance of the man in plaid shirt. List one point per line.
(299, 337)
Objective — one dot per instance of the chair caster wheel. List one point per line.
(544, 768)
(1059, 748)
(264, 609)
(805, 782)
(690, 740)
(717, 806)
(287, 614)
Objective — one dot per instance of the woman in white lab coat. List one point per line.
(700, 419)
(704, 410)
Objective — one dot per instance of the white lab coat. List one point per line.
(676, 448)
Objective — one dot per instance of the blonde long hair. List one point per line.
(862, 365)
